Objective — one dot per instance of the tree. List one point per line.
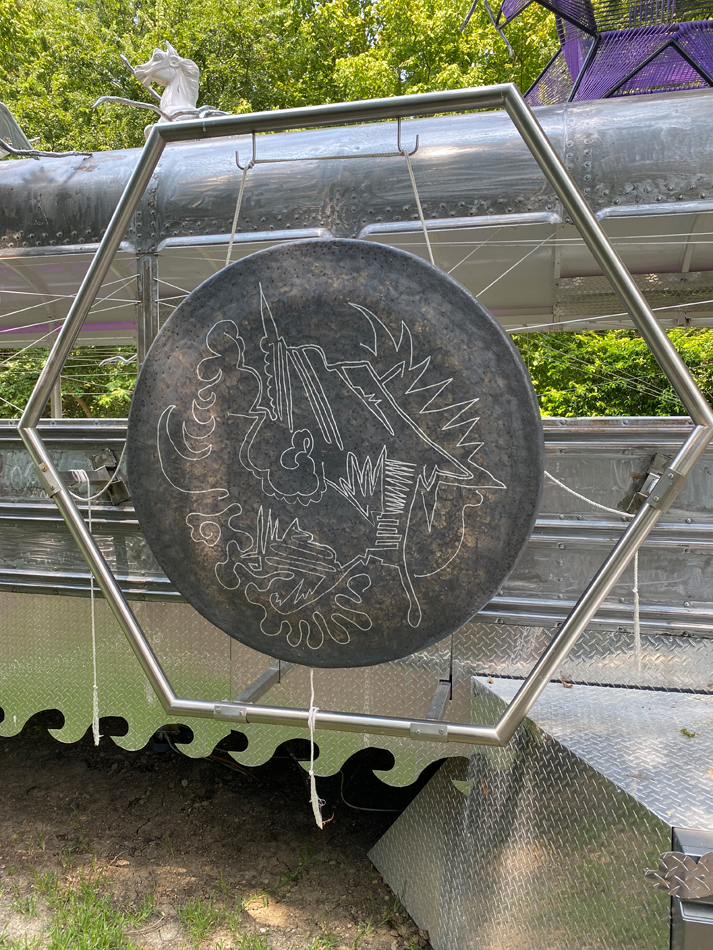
(88, 389)
(611, 373)
(60, 56)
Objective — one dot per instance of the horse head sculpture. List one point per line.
(179, 76)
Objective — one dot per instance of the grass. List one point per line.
(324, 941)
(200, 917)
(85, 918)
(252, 942)
(284, 879)
(27, 905)
(142, 913)
(22, 943)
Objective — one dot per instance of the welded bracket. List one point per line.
(505, 96)
(230, 712)
(664, 492)
(429, 731)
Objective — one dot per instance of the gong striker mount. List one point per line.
(509, 97)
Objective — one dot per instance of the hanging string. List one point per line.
(406, 155)
(317, 803)
(635, 588)
(83, 477)
(523, 258)
(594, 504)
(237, 211)
(637, 623)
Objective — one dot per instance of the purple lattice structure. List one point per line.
(610, 48)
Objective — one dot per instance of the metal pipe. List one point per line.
(101, 262)
(570, 631)
(337, 113)
(608, 259)
(100, 569)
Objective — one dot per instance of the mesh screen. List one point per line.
(616, 56)
(668, 71)
(601, 16)
(696, 39)
(554, 84)
(576, 44)
(510, 9)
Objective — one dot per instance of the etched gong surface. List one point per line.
(335, 452)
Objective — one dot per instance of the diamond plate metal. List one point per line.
(543, 850)
(601, 656)
(635, 738)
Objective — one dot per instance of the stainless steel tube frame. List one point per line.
(509, 97)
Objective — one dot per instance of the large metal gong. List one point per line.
(335, 452)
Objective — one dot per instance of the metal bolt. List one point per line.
(686, 603)
(655, 498)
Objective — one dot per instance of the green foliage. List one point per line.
(84, 918)
(59, 56)
(88, 389)
(199, 917)
(611, 373)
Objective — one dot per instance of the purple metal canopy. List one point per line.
(609, 48)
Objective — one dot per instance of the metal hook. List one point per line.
(398, 140)
(253, 160)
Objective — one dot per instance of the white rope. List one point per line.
(317, 802)
(83, 477)
(476, 248)
(637, 620)
(635, 588)
(418, 204)
(594, 504)
(85, 480)
(236, 216)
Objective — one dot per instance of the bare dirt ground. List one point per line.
(103, 849)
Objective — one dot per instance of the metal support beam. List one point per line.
(441, 696)
(147, 315)
(257, 689)
(56, 399)
(612, 266)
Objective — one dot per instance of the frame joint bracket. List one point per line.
(50, 484)
(230, 712)
(664, 492)
(429, 731)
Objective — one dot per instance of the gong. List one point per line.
(335, 452)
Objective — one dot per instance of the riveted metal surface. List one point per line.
(479, 188)
(532, 847)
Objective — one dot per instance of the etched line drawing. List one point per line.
(373, 457)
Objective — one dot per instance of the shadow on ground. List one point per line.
(102, 849)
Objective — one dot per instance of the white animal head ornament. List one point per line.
(179, 76)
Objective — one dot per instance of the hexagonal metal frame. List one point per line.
(661, 497)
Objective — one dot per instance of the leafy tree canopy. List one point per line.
(57, 57)
(611, 373)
